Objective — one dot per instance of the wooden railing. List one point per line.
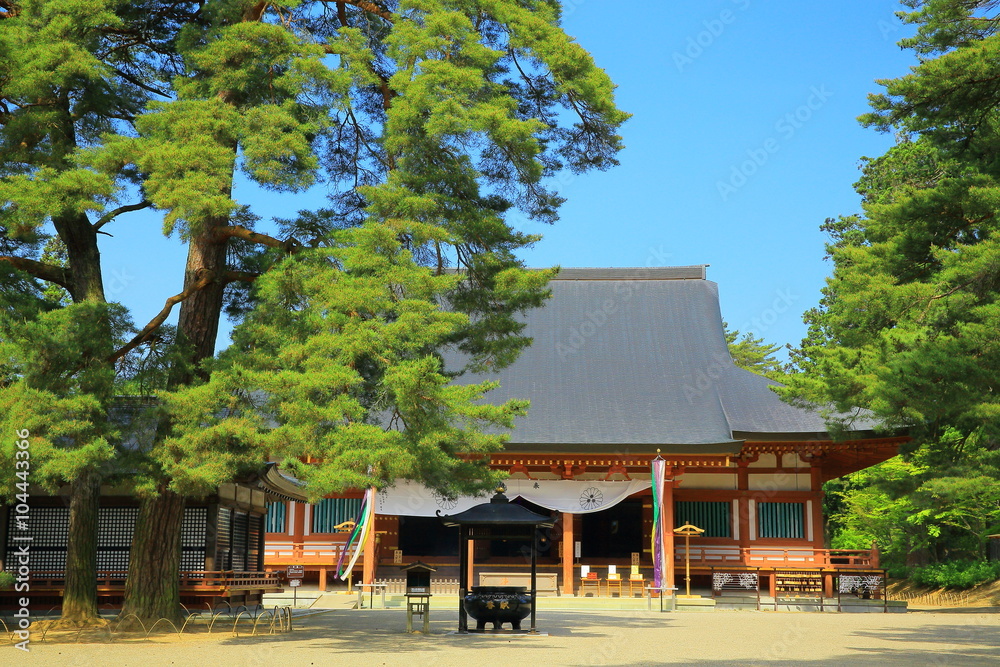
(314, 553)
(778, 557)
(276, 553)
(193, 581)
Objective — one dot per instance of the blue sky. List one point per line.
(743, 140)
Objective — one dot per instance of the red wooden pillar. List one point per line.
(298, 522)
(819, 534)
(743, 500)
(368, 556)
(471, 545)
(668, 520)
(816, 485)
(568, 553)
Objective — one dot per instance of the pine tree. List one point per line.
(69, 72)
(431, 122)
(907, 324)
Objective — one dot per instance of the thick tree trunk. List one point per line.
(152, 589)
(198, 321)
(80, 595)
(154, 565)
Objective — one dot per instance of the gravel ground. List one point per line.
(377, 637)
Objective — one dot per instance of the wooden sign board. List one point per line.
(635, 558)
(397, 556)
(296, 571)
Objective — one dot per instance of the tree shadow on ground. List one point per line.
(981, 632)
(379, 631)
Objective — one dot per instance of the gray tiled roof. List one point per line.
(637, 359)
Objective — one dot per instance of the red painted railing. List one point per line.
(778, 556)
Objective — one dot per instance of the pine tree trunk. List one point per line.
(152, 588)
(80, 589)
(80, 595)
(151, 591)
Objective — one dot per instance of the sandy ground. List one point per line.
(377, 637)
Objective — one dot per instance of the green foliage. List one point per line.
(430, 122)
(755, 355)
(906, 328)
(7, 579)
(336, 374)
(919, 508)
(57, 388)
(956, 573)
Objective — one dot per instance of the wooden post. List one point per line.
(368, 571)
(298, 523)
(668, 533)
(471, 562)
(816, 482)
(211, 537)
(463, 574)
(743, 515)
(569, 576)
(534, 576)
(322, 579)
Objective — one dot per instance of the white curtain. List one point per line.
(572, 496)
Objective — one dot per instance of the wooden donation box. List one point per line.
(418, 594)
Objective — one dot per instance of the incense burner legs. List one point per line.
(498, 605)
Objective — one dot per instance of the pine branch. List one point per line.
(205, 278)
(111, 215)
(239, 276)
(53, 274)
(292, 245)
(370, 7)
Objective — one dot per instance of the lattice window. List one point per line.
(780, 520)
(276, 521)
(330, 512)
(239, 541)
(713, 516)
(115, 527)
(48, 528)
(193, 531)
(253, 542)
(223, 544)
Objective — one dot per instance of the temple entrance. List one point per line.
(613, 533)
(517, 549)
(426, 536)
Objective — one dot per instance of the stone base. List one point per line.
(694, 603)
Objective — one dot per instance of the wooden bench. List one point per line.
(793, 586)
